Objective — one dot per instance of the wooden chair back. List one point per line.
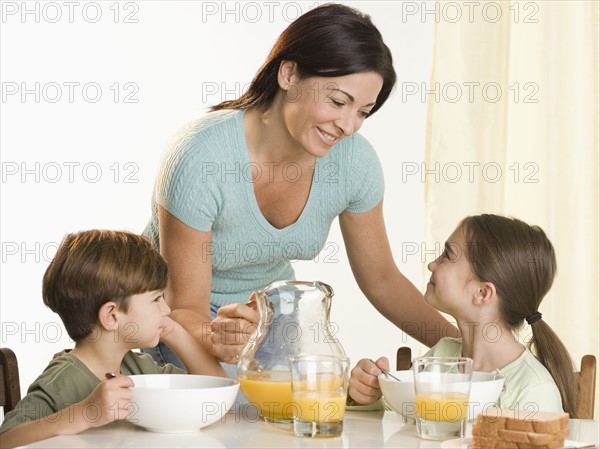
(403, 358)
(10, 387)
(587, 387)
(586, 376)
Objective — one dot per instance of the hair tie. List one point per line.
(533, 318)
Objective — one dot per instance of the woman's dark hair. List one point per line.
(330, 40)
(520, 261)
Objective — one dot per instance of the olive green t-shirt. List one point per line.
(66, 381)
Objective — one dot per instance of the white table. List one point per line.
(361, 429)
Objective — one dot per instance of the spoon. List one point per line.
(387, 373)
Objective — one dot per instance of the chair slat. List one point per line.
(587, 387)
(403, 358)
(10, 386)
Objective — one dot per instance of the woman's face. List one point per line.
(320, 111)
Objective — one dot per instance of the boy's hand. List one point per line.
(364, 385)
(111, 399)
(169, 325)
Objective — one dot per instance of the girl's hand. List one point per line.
(364, 385)
(231, 329)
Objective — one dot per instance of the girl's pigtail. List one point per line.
(553, 354)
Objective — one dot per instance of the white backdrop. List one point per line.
(91, 93)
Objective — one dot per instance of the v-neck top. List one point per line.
(206, 181)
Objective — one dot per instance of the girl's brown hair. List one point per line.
(93, 267)
(520, 261)
(329, 40)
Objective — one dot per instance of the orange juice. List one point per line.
(320, 406)
(270, 392)
(447, 406)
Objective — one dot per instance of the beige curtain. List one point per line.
(513, 128)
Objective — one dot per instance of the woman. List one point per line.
(258, 181)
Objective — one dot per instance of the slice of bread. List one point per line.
(480, 442)
(527, 440)
(537, 439)
(495, 444)
(497, 428)
(523, 420)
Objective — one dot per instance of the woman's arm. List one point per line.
(188, 253)
(377, 275)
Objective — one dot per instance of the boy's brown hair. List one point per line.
(96, 266)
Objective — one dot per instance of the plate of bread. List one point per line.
(498, 428)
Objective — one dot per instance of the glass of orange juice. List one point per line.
(442, 386)
(319, 388)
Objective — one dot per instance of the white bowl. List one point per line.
(178, 403)
(485, 391)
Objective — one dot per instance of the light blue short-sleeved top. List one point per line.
(205, 180)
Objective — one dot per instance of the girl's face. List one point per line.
(453, 284)
(142, 324)
(320, 111)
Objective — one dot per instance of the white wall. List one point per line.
(88, 159)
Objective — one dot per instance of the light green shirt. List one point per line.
(206, 181)
(528, 385)
(66, 381)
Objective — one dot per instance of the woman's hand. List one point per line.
(231, 329)
(364, 385)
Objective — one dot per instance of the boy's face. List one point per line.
(144, 320)
(452, 282)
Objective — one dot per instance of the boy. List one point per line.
(107, 287)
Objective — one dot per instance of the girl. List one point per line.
(491, 277)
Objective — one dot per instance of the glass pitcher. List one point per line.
(294, 319)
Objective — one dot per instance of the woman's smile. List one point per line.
(329, 139)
